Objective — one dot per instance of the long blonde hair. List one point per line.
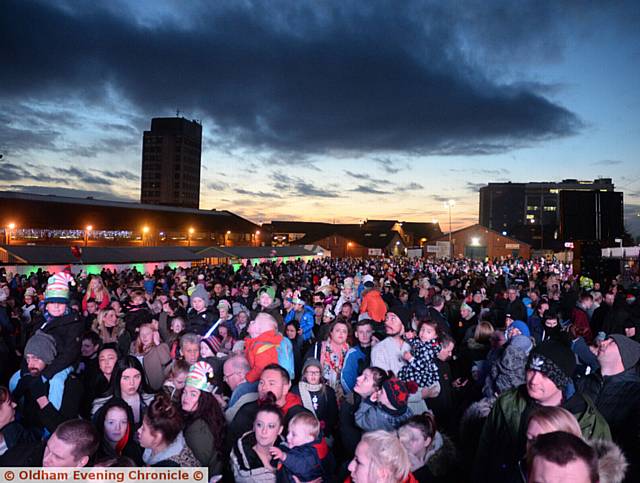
(99, 328)
(386, 452)
(99, 294)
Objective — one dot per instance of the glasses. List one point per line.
(226, 377)
(312, 373)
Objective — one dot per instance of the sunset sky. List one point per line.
(324, 110)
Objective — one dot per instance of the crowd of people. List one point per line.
(364, 370)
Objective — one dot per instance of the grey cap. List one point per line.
(42, 346)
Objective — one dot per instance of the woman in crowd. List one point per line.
(161, 436)
(331, 354)
(204, 422)
(432, 454)
(317, 397)
(12, 433)
(115, 425)
(96, 291)
(111, 329)
(251, 460)
(129, 383)
(153, 354)
(380, 458)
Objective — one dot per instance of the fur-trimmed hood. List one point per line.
(612, 463)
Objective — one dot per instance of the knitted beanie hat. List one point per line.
(42, 346)
(555, 360)
(311, 362)
(58, 288)
(270, 291)
(397, 392)
(629, 350)
(30, 292)
(403, 314)
(213, 343)
(521, 326)
(201, 377)
(201, 292)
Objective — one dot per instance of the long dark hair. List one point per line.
(209, 411)
(128, 362)
(101, 415)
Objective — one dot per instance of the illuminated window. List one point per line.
(550, 208)
(530, 217)
(555, 190)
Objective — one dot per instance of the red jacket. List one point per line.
(580, 319)
(373, 305)
(260, 352)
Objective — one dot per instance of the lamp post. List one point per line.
(450, 204)
(257, 238)
(87, 230)
(191, 230)
(8, 232)
(226, 237)
(145, 231)
(349, 244)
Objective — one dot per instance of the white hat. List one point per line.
(367, 278)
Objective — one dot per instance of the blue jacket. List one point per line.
(306, 321)
(306, 462)
(351, 367)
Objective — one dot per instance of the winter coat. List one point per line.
(200, 322)
(306, 321)
(307, 462)
(517, 309)
(202, 443)
(439, 464)
(154, 361)
(15, 434)
(373, 305)
(64, 392)
(618, 400)
(321, 402)
(67, 331)
(358, 358)
(503, 437)
(177, 454)
(422, 369)
(371, 417)
(260, 352)
(580, 320)
(117, 335)
(246, 465)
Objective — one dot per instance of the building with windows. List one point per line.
(535, 211)
(171, 153)
(478, 242)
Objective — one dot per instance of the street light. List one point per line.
(10, 227)
(145, 231)
(257, 238)
(450, 204)
(191, 230)
(349, 245)
(226, 237)
(87, 230)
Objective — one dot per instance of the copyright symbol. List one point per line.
(8, 475)
(197, 475)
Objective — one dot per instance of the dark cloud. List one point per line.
(298, 187)
(387, 165)
(474, 187)
(482, 171)
(74, 175)
(259, 194)
(72, 192)
(217, 185)
(440, 199)
(364, 177)
(296, 76)
(410, 187)
(370, 190)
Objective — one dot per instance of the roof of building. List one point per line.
(62, 255)
(445, 236)
(63, 212)
(366, 239)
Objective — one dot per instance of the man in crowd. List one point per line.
(358, 358)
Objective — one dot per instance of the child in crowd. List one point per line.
(307, 452)
(226, 338)
(421, 367)
(387, 408)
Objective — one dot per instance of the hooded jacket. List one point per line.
(260, 352)
(67, 331)
(247, 466)
(307, 321)
(373, 305)
(503, 437)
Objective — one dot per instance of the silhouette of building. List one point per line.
(171, 153)
(542, 213)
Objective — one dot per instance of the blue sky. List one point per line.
(332, 110)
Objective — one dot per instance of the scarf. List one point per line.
(305, 394)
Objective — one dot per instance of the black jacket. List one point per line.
(67, 331)
(200, 323)
(618, 400)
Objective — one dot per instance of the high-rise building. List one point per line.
(537, 212)
(171, 153)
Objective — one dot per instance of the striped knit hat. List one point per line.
(58, 288)
(201, 377)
